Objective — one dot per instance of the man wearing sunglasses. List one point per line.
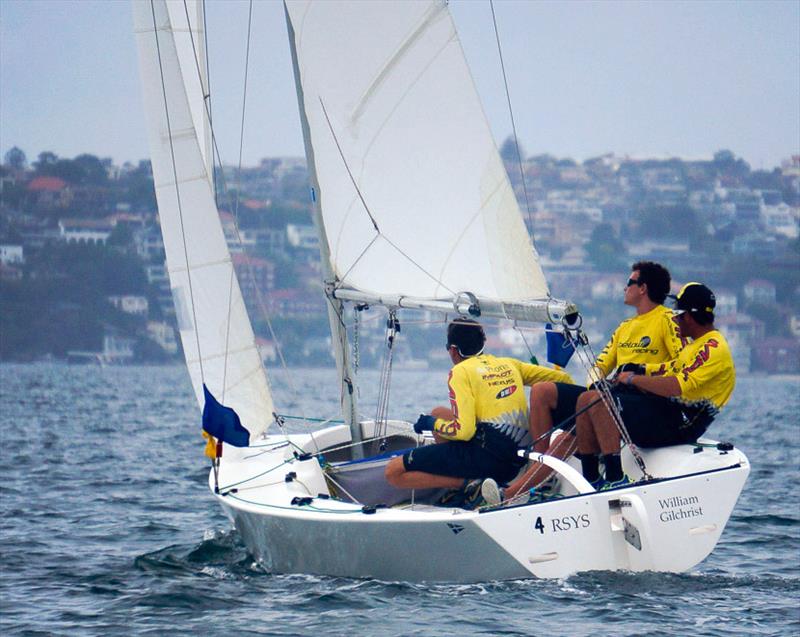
(484, 425)
(675, 406)
(650, 337)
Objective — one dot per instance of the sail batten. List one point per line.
(218, 341)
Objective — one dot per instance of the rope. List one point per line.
(511, 113)
(384, 386)
(587, 357)
(232, 279)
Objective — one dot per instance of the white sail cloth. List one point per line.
(218, 340)
(389, 99)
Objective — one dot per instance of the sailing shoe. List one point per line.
(452, 498)
(598, 484)
(624, 481)
(492, 493)
(473, 496)
(538, 495)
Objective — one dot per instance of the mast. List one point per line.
(340, 343)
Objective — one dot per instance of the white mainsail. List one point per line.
(218, 340)
(414, 197)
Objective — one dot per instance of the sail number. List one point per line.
(566, 523)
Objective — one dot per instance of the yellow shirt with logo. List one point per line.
(705, 370)
(645, 339)
(486, 388)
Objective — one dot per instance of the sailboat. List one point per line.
(414, 212)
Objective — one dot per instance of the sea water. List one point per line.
(108, 527)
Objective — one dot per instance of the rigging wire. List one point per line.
(232, 280)
(384, 385)
(511, 113)
(612, 404)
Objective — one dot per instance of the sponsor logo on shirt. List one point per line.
(702, 356)
(641, 346)
(506, 392)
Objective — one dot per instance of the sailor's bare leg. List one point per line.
(585, 422)
(544, 398)
(563, 447)
(397, 476)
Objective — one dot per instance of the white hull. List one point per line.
(669, 525)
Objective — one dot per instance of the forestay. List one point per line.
(414, 197)
(218, 340)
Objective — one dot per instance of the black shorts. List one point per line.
(565, 406)
(654, 421)
(485, 456)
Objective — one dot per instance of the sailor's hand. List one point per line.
(424, 423)
(624, 378)
(631, 367)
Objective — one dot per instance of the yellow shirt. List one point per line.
(705, 370)
(486, 388)
(645, 339)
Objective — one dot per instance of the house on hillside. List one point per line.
(49, 192)
(130, 304)
(163, 335)
(302, 236)
(11, 254)
(88, 231)
(759, 291)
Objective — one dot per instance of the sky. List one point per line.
(644, 79)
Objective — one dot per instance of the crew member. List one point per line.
(648, 338)
(673, 408)
(485, 424)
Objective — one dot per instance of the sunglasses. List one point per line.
(634, 282)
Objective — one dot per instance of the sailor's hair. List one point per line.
(657, 278)
(467, 335)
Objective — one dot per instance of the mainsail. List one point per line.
(218, 340)
(413, 195)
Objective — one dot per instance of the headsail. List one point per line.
(218, 340)
(414, 197)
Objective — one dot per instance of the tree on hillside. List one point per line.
(508, 151)
(45, 159)
(606, 250)
(670, 222)
(92, 170)
(16, 159)
(137, 187)
(84, 170)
